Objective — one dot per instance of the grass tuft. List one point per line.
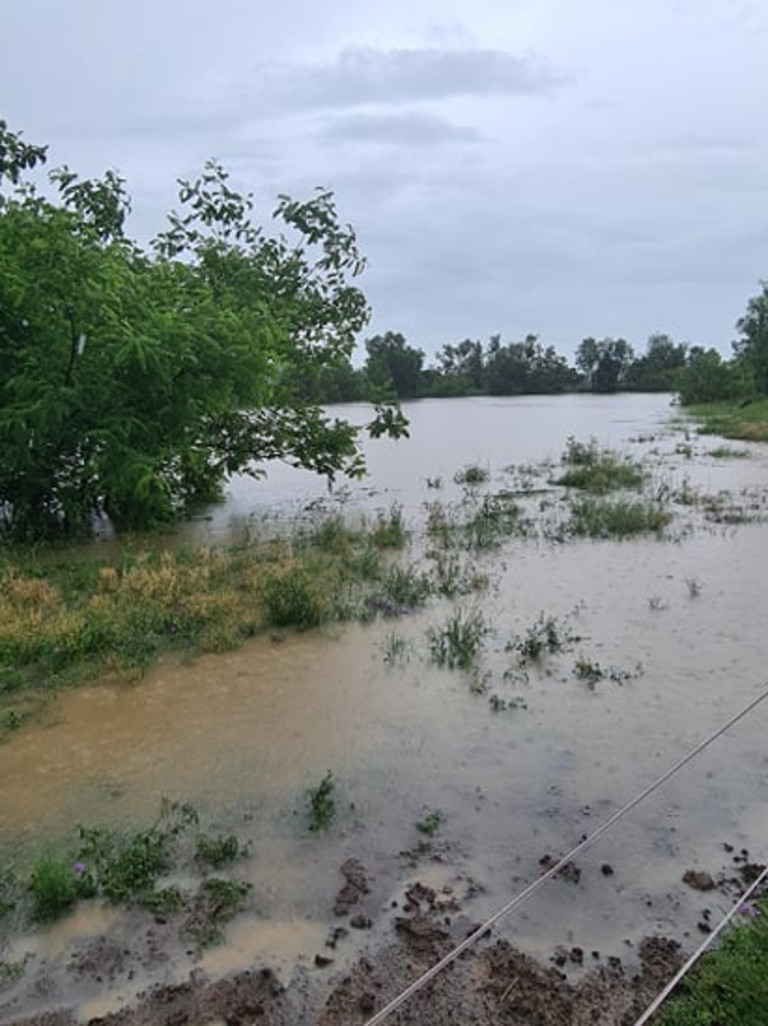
(457, 644)
(597, 470)
(606, 518)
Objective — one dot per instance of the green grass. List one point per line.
(219, 850)
(431, 822)
(457, 644)
(66, 618)
(472, 475)
(321, 804)
(55, 885)
(728, 986)
(126, 867)
(389, 531)
(547, 636)
(607, 518)
(496, 518)
(728, 452)
(596, 470)
(747, 422)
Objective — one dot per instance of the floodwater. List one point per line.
(244, 734)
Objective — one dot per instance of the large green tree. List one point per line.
(132, 381)
(658, 369)
(604, 363)
(393, 366)
(752, 347)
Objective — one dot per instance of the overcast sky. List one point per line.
(564, 167)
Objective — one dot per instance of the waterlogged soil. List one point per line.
(339, 921)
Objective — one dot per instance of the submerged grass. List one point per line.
(620, 518)
(65, 619)
(126, 867)
(457, 644)
(596, 470)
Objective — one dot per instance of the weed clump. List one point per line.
(431, 822)
(457, 644)
(497, 517)
(389, 531)
(547, 636)
(321, 804)
(597, 470)
(606, 518)
(292, 598)
(472, 475)
(55, 885)
(125, 866)
(219, 851)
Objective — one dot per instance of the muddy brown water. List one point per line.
(243, 735)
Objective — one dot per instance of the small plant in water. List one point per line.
(546, 636)
(656, 603)
(321, 804)
(695, 586)
(431, 823)
(56, 883)
(8, 890)
(588, 670)
(457, 644)
(434, 482)
(389, 531)
(499, 704)
(219, 850)
(396, 650)
(471, 475)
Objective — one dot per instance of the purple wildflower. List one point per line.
(78, 869)
(748, 909)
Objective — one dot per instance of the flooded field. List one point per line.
(507, 760)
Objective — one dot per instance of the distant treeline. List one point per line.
(394, 369)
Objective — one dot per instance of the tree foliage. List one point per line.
(604, 363)
(752, 347)
(133, 381)
(657, 370)
(393, 367)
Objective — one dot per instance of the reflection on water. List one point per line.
(243, 735)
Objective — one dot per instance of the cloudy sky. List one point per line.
(566, 167)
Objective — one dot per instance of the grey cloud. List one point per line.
(362, 76)
(413, 128)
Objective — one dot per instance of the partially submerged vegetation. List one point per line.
(617, 518)
(597, 470)
(131, 867)
(737, 419)
(65, 619)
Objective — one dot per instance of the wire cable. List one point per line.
(531, 889)
(662, 997)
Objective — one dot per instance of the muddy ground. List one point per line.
(491, 983)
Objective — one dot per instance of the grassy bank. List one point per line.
(729, 986)
(66, 619)
(732, 420)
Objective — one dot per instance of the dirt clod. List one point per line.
(355, 886)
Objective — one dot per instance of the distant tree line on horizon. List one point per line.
(396, 370)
